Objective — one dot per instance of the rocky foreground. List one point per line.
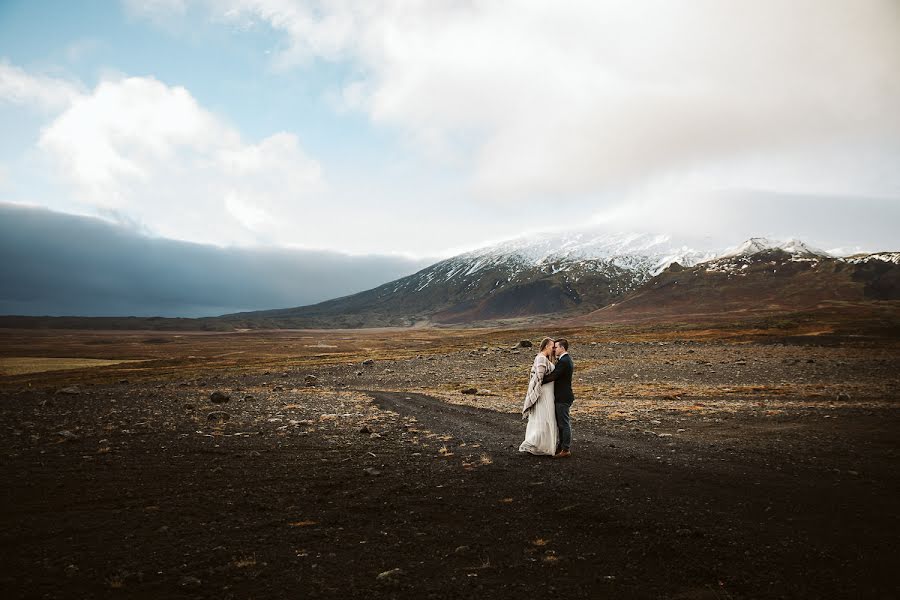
(702, 469)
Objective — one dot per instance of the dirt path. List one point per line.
(687, 522)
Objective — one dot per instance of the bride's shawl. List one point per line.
(541, 367)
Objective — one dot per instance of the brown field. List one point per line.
(743, 460)
(20, 365)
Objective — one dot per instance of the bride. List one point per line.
(540, 433)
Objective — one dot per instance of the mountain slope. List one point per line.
(539, 274)
(758, 277)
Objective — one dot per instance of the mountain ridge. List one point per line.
(543, 274)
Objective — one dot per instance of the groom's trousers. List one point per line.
(564, 425)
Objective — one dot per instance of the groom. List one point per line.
(562, 391)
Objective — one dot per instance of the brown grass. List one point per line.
(22, 365)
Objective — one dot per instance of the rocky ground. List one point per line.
(702, 468)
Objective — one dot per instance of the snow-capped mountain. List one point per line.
(760, 244)
(571, 272)
(533, 274)
(634, 251)
(760, 277)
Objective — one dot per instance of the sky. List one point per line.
(421, 129)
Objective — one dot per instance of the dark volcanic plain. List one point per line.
(723, 462)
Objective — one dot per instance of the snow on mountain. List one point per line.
(737, 260)
(761, 244)
(640, 252)
(889, 257)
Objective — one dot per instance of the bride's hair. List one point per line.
(544, 342)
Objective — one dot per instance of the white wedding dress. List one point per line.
(541, 434)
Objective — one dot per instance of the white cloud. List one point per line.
(549, 98)
(140, 151)
(46, 93)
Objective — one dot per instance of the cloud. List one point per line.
(722, 218)
(43, 92)
(570, 99)
(142, 151)
(61, 264)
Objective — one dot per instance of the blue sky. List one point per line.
(424, 129)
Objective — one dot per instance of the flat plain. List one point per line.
(709, 462)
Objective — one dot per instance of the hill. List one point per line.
(758, 277)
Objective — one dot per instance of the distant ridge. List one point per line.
(542, 274)
(758, 277)
(587, 272)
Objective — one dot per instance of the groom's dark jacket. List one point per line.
(561, 377)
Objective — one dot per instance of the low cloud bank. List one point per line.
(58, 264)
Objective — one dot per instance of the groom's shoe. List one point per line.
(562, 454)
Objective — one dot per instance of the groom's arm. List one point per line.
(558, 372)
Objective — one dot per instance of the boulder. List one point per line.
(524, 344)
(469, 391)
(219, 397)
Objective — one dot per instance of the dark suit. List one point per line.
(561, 377)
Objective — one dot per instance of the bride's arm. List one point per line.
(534, 385)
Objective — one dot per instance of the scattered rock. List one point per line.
(249, 397)
(189, 581)
(391, 575)
(72, 390)
(368, 362)
(469, 391)
(218, 415)
(365, 429)
(278, 388)
(843, 397)
(462, 550)
(374, 436)
(71, 570)
(359, 373)
(524, 344)
(310, 380)
(219, 397)
(372, 471)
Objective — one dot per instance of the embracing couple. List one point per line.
(548, 400)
